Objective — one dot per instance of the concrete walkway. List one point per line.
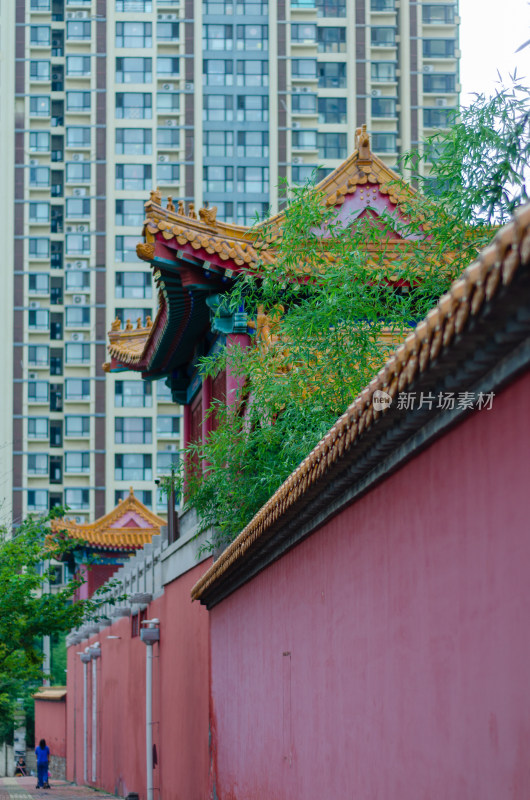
(24, 789)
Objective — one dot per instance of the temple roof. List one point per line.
(195, 256)
(126, 528)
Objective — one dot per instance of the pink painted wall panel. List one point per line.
(50, 724)
(180, 702)
(387, 656)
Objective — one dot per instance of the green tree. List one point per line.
(331, 309)
(28, 612)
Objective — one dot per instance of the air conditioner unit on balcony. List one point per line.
(33, 376)
(70, 15)
(305, 89)
(167, 17)
(79, 192)
(82, 228)
(441, 101)
(428, 68)
(77, 337)
(167, 87)
(56, 76)
(172, 448)
(79, 264)
(70, 229)
(163, 159)
(81, 14)
(375, 93)
(34, 304)
(188, 86)
(34, 162)
(77, 520)
(296, 125)
(79, 299)
(171, 123)
(298, 160)
(78, 157)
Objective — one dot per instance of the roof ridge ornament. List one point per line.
(208, 215)
(363, 144)
(156, 196)
(170, 205)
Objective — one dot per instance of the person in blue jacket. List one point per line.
(43, 759)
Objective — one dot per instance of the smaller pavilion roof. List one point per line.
(126, 528)
(50, 693)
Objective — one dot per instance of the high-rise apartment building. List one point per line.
(215, 102)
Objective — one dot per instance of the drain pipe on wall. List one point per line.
(149, 634)
(85, 658)
(95, 653)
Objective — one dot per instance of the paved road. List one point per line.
(24, 789)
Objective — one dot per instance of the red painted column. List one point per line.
(187, 436)
(206, 403)
(234, 382)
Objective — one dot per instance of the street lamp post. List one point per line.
(149, 634)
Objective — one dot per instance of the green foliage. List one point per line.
(28, 611)
(336, 301)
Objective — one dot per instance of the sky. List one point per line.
(490, 33)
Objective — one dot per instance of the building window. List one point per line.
(77, 244)
(249, 213)
(77, 317)
(163, 391)
(134, 285)
(134, 70)
(332, 75)
(38, 355)
(438, 14)
(39, 247)
(304, 68)
(218, 179)
(39, 283)
(167, 102)
(77, 280)
(303, 33)
(125, 248)
(253, 180)
(37, 500)
(439, 83)
(252, 37)
(133, 394)
(40, 35)
(332, 40)
(134, 141)
(77, 66)
(77, 208)
(384, 142)
(332, 145)
(77, 427)
(217, 108)
(167, 66)
(129, 213)
(438, 48)
(133, 177)
(133, 315)
(219, 144)
(217, 37)
(134, 6)
(39, 70)
(304, 140)
(38, 391)
(384, 107)
(39, 319)
(77, 462)
(303, 175)
(330, 8)
(382, 5)
(383, 71)
(78, 101)
(39, 142)
(40, 5)
(145, 496)
(252, 8)
(77, 172)
(252, 73)
(136, 35)
(253, 144)
(38, 464)
(304, 103)
(77, 353)
(77, 389)
(39, 212)
(77, 499)
(133, 430)
(332, 110)
(134, 105)
(165, 462)
(437, 117)
(167, 31)
(78, 137)
(167, 426)
(383, 37)
(37, 427)
(167, 174)
(39, 106)
(133, 467)
(218, 8)
(78, 30)
(39, 176)
(168, 138)
(218, 72)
